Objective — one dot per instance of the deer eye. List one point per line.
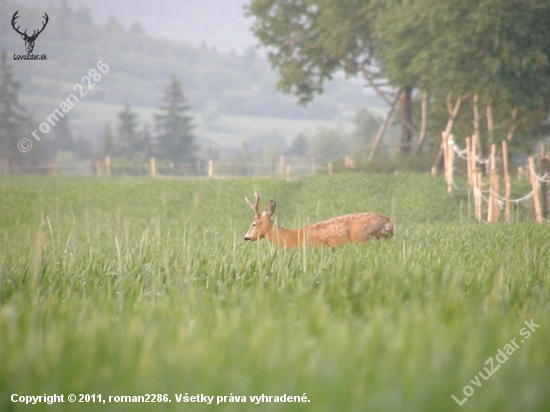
(254, 224)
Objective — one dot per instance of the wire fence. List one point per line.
(116, 167)
(492, 168)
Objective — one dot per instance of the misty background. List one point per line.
(219, 23)
(208, 46)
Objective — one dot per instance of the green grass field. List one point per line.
(127, 287)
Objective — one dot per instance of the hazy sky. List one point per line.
(219, 23)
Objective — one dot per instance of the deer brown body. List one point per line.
(353, 227)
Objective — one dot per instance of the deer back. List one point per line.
(353, 227)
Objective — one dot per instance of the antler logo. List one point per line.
(29, 40)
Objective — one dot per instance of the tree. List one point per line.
(298, 146)
(497, 51)
(243, 160)
(310, 41)
(366, 126)
(270, 154)
(14, 118)
(174, 125)
(147, 141)
(83, 147)
(130, 140)
(326, 146)
(106, 142)
(63, 136)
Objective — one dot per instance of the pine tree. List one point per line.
(83, 147)
(64, 138)
(298, 147)
(147, 141)
(130, 140)
(174, 125)
(14, 118)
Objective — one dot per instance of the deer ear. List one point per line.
(269, 209)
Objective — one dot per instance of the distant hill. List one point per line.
(217, 23)
(140, 65)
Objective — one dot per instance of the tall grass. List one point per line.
(136, 286)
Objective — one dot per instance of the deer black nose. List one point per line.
(247, 239)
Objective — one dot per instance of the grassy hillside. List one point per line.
(139, 286)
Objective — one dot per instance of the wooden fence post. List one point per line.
(534, 186)
(448, 160)
(210, 168)
(476, 115)
(507, 185)
(477, 195)
(288, 173)
(153, 164)
(468, 161)
(330, 168)
(282, 165)
(445, 149)
(495, 192)
(494, 189)
(108, 165)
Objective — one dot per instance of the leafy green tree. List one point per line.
(310, 41)
(497, 50)
(494, 49)
(175, 140)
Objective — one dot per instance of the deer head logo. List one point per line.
(29, 40)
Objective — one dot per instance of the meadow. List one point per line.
(135, 286)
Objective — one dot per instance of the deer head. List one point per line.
(29, 40)
(262, 223)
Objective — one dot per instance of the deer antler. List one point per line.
(15, 16)
(254, 207)
(43, 26)
(34, 33)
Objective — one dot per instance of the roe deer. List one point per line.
(355, 227)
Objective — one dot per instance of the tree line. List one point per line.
(173, 138)
(488, 59)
